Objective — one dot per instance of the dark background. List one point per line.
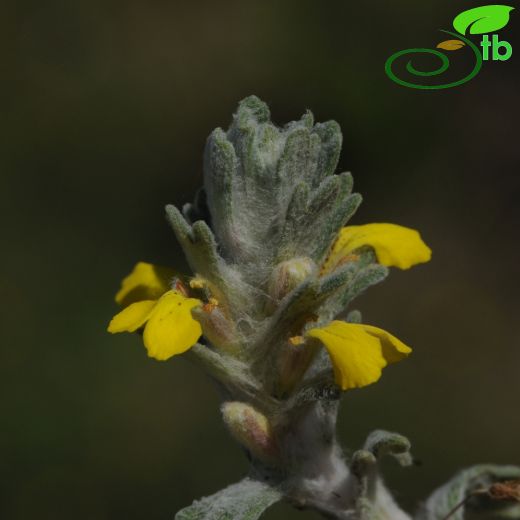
(106, 107)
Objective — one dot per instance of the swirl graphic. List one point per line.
(445, 63)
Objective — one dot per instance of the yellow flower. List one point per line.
(394, 246)
(165, 313)
(358, 352)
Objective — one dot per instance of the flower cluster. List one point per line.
(157, 301)
(266, 311)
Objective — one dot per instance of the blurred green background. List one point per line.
(106, 107)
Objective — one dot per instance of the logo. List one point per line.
(478, 21)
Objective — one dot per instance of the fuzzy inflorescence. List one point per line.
(266, 311)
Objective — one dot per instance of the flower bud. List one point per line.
(215, 326)
(294, 359)
(288, 275)
(251, 429)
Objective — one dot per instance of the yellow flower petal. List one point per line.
(145, 282)
(132, 317)
(358, 352)
(393, 348)
(394, 246)
(171, 329)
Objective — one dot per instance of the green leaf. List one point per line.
(245, 500)
(331, 139)
(364, 273)
(200, 249)
(366, 276)
(485, 19)
(382, 443)
(469, 490)
(374, 501)
(315, 217)
(379, 444)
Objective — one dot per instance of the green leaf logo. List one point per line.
(485, 19)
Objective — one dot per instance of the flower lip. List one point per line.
(393, 245)
(358, 352)
(145, 282)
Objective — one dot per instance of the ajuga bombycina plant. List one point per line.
(266, 312)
